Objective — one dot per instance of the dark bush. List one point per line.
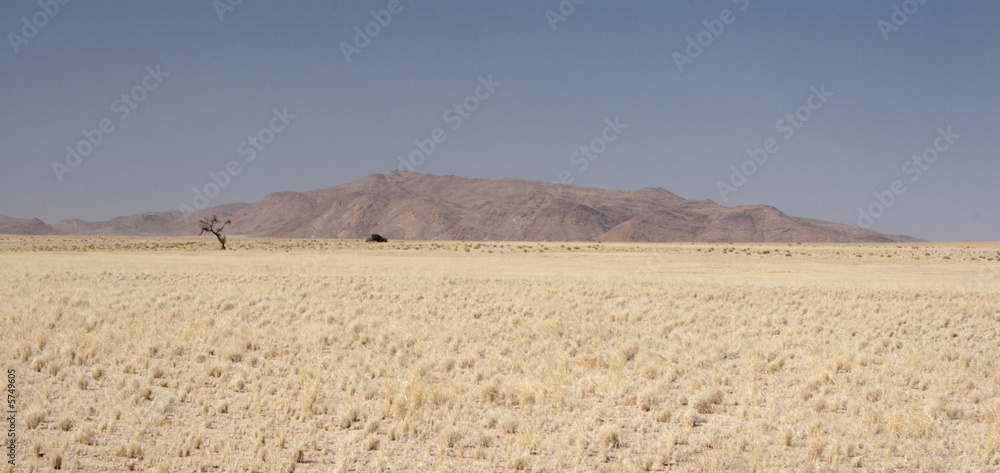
(377, 238)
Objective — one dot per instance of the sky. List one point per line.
(881, 114)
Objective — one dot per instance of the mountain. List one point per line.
(172, 223)
(33, 226)
(412, 206)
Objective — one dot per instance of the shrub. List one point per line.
(377, 238)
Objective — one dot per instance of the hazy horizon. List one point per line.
(818, 109)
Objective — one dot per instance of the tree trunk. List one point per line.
(221, 238)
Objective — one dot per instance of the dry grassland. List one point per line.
(291, 355)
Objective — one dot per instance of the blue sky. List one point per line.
(888, 90)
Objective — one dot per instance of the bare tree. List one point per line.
(208, 225)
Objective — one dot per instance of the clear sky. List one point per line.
(847, 102)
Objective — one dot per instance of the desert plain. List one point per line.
(166, 354)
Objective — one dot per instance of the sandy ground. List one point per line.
(163, 354)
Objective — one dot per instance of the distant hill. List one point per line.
(33, 226)
(412, 206)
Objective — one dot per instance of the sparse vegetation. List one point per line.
(312, 355)
(208, 225)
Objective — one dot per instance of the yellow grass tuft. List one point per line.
(315, 355)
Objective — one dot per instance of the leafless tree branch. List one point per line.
(208, 225)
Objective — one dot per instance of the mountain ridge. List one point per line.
(414, 206)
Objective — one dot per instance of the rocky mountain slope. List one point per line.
(412, 206)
